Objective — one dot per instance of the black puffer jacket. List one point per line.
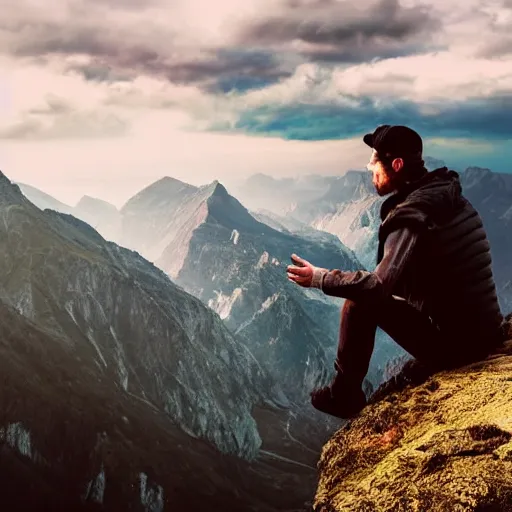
(450, 277)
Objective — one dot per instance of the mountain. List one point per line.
(432, 163)
(216, 250)
(43, 200)
(101, 215)
(147, 344)
(292, 226)
(350, 210)
(74, 440)
(427, 442)
(285, 195)
(152, 233)
(154, 339)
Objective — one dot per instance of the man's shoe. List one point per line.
(341, 405)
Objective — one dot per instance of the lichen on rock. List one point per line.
(440, 442)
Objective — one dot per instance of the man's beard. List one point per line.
(389, 184)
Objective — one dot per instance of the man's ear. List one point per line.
(397, 164)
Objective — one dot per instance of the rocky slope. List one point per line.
(157, 341)
(427, 443)
(71, 440)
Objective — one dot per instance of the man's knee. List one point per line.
(356, 309)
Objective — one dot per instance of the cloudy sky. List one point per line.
(105, 96)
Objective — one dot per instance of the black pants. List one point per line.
(408, 327)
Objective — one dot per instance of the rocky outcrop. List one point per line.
(440, 442)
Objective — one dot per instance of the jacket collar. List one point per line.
(400, 195)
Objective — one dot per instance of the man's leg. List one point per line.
(411, 329)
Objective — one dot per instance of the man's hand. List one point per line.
(301, 273)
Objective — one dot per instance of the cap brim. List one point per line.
(368, 139)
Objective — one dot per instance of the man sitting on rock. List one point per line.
(433, 289)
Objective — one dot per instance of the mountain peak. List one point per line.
(481, 176)
(478, 171)
(169, 181)
(218, 189)
(86, 202)
(164, 191)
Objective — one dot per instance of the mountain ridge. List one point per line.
(52, 256)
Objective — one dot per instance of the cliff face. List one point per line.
(71, 440)
(427, 443)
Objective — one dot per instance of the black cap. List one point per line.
(395, 141)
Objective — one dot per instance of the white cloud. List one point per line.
(419, 78)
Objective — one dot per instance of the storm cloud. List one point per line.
(344, 32)
(120, 54)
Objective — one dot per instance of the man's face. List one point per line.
(384, 179)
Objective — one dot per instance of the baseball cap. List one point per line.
(397, 141)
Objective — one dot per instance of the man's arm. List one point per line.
(370, 286)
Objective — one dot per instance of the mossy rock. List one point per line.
(433, 443)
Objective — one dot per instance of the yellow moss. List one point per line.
(444, 445)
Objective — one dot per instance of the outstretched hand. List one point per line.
(301, 273)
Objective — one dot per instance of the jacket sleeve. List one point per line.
(367, 286)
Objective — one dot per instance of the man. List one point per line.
(432, 291)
